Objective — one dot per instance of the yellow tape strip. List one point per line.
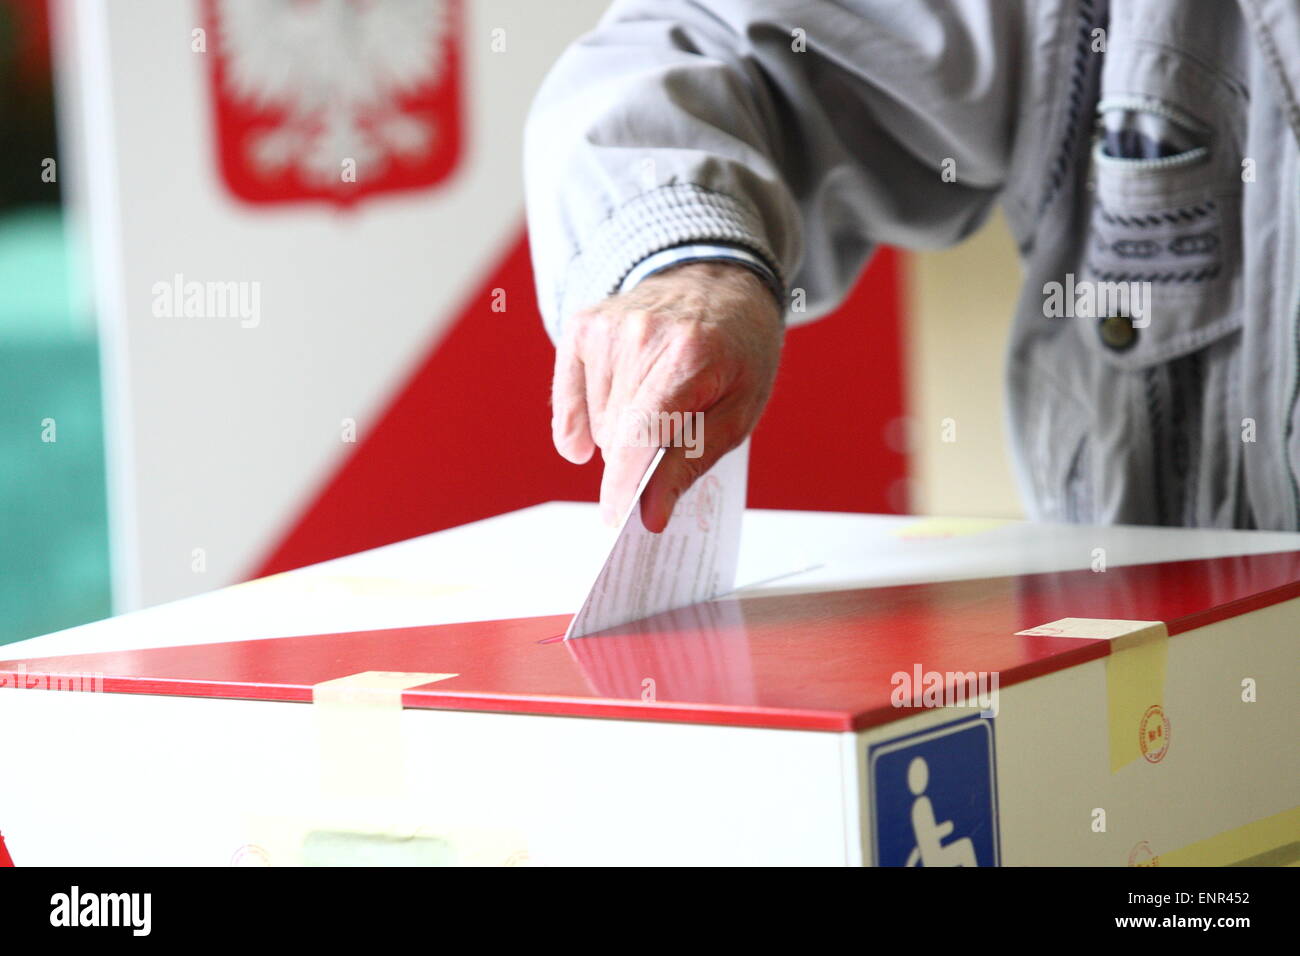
(359, 725)
(326, 837)
(1135, 683)
(1272, 841)
(947, 527)
(363, 813)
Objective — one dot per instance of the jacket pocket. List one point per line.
(1152, 296)
(1161, 285)
(1160, 276)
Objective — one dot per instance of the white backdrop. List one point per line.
(217, 432)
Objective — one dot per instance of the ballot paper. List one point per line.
(693, 560)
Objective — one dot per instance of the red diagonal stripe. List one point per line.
(468, 435)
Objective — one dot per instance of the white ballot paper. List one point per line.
(693, 560)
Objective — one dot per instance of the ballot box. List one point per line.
(879, 691)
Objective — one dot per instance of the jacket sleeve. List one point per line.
(806, 132)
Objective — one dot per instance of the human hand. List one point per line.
(702, 340)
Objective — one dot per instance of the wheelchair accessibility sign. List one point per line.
(934, 797)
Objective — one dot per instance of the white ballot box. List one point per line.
(880, 690)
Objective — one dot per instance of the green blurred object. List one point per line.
(339, 848)
(54, 570)
(37, 282)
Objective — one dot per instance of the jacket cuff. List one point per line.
(651, 222)
(703, 252)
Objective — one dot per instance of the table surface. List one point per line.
(831, 605)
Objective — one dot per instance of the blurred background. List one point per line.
(54, 568)
(265, 299)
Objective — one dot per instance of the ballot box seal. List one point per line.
(1154, 734)
(934, 796)
(1143, 856)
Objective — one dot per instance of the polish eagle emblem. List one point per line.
(333, 98)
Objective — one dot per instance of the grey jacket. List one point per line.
(1141, 145)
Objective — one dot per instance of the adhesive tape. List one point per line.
(1135, 683)
(359, 726)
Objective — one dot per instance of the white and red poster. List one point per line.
(319, 334)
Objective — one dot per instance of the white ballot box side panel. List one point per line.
(217, 782)
(1215, 777)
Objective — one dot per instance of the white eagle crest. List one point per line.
(336, 69)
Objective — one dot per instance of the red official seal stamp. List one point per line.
(250, 854)
(1153, 734)
(708, 503)
(1142, 855)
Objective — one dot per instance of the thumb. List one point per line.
(685, 464)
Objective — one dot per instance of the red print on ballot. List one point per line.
(333, 99)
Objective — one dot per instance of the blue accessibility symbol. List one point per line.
(934, 797)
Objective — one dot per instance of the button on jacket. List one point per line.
(1144, 152)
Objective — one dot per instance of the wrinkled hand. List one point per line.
(702, 337)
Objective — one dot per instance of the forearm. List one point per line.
(651, 134)
(802, 131)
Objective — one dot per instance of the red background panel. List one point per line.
(467, 435)
(821, 444)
